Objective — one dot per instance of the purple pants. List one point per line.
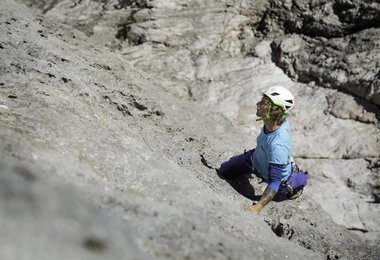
(237, 166)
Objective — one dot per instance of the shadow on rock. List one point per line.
(243, 186)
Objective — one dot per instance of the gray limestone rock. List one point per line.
(137, 133)
(50, 220)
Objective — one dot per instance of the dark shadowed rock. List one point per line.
(336, 43)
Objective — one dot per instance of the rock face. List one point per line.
(335, 44)
(221, 55)
(112, 154)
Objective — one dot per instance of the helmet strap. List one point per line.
(267, 114)
(269, 111)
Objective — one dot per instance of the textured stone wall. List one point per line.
(131, 118)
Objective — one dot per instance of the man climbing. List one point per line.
(272, 158)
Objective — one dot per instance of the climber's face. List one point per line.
(263, 106)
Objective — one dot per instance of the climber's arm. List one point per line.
(274, 182)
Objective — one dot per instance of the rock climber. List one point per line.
(272, 158)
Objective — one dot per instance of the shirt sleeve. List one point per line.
(278, 154)
(275, 176)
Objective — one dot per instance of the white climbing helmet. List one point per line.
(281, 97)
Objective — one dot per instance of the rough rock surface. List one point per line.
(220, 54)
(102, 160)
(332, 43)
(335, 44)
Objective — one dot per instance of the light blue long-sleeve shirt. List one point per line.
(273, 148)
